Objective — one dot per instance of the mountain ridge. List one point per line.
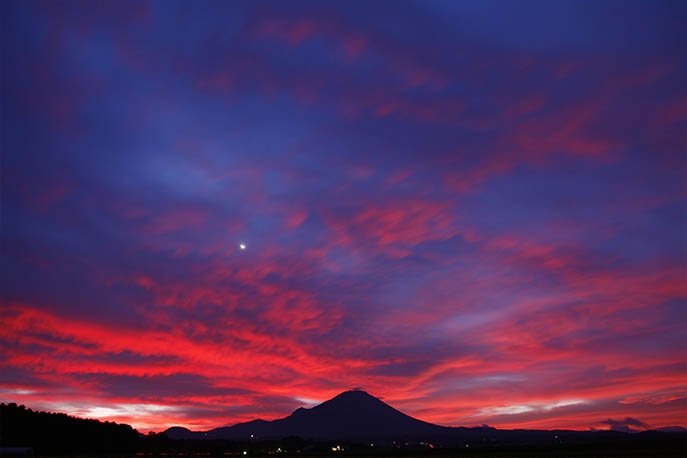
(355, 415)
(352, 414)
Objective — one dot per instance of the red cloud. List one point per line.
(395, 227)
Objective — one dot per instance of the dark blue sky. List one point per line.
(475, 210)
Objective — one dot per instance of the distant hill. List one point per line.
(672, 429)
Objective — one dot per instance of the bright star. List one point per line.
(242, 246)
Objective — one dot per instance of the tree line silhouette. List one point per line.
(57, 433)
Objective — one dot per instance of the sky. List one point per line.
(474, 210)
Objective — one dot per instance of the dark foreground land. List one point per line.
(639, 445)
(53, 434)
(665, 446)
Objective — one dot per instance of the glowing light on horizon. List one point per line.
(308, 401)
(563, 403)
(524, 408)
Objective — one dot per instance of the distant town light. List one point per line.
(242, 246)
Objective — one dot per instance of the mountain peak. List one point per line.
(354, 394)
(358, 400)
(352, 414)
(346, 401)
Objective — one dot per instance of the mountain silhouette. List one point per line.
(350, 415)
(355, 418)
(358, 416)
